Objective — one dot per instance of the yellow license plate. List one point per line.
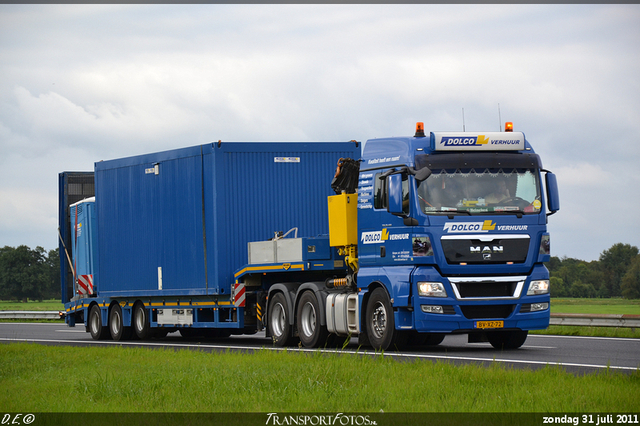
(489, 324)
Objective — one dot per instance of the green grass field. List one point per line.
(595, 306)
(36, 378)
(46, 305)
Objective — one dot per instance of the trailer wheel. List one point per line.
(507, 339)
(278, 321)
(381, 326)
(141, 321)
(97, 330)
(116, 325)
(312, 333)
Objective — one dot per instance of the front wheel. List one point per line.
(507, 339)
(278, 321)
(312, 333)
(381, 326)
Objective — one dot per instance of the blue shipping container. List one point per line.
(178, 222)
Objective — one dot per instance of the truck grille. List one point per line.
(487, 311)
(509, 287)
(486, 289)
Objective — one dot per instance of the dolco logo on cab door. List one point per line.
(375, 237)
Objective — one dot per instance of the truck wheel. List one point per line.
(141, 322)
(381, 326)
(278, 321)
(116, 325)
(97, 330)
(312, 333)
(507, 339)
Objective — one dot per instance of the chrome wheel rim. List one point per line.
(379, 320)
(308, 319)
(115, 323)
(140, 319)
(278, 318)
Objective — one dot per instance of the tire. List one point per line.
(312, 333)
(278, 321)
(97, 330)
(116, 325)
(141, 324)
(507, 339)
(380, 320)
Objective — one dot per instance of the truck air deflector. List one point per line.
(474, 160)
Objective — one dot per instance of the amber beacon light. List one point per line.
(508, 126)
(419, 129)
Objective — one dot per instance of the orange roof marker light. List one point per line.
(508, 126)
(419, 129)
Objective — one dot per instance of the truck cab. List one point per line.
(452, 238)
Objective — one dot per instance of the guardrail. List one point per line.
(30, 315)
(596, 320)
(586, 320)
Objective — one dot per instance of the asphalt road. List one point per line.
(575, 354)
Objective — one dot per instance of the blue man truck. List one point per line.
(408, 240)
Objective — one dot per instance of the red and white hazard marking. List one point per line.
(85, 284)
(239, 296)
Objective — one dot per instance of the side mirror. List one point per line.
(553, 199)
(394, 191)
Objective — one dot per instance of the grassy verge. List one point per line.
(595, 306)
(37, 378)
(567, 330)
(46, 305)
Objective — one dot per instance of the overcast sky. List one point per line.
(83, 83)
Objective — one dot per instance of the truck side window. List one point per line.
(405, 195)
(379, 193)
(380, 200)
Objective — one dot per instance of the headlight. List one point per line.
(431, 289)
(538, 287)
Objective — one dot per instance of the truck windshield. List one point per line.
(481, 191)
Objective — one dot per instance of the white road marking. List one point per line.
(625, 339)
